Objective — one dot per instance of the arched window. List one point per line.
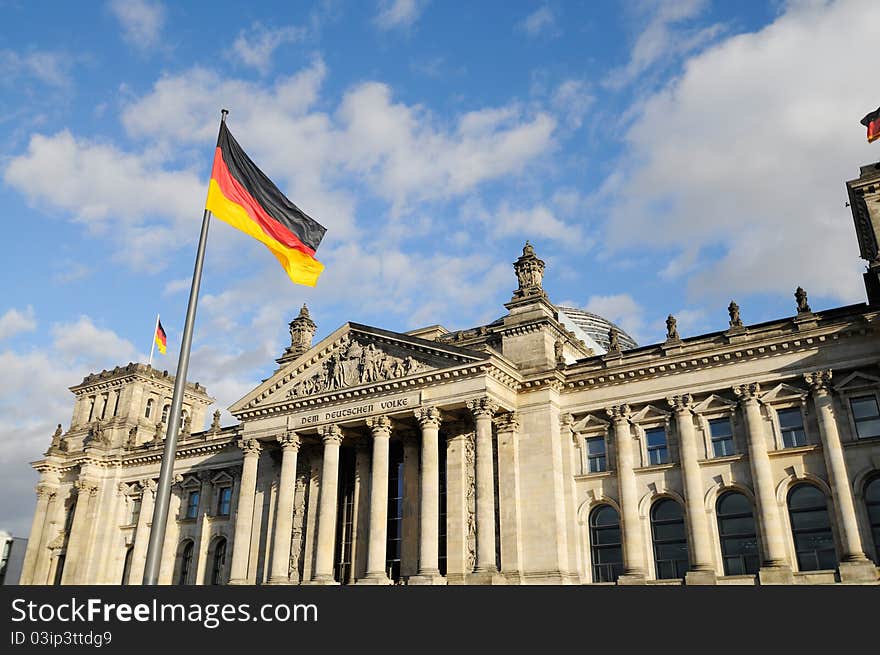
(165, 413)
(126, 567)
(186, 558)
(149, 410)
(736, 527)
(811, 528)
(670, 539)
(605, 546)
(218, 561)
(872, 503)
(183, 416)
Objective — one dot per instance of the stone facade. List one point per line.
(518, 452)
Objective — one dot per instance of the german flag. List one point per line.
(872, 122)
(161, 339)
(242, 195)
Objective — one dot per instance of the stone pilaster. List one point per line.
(87, 491)
(325, 547)
(280, 568)
(244, 514)
(458, 564)
(485, 567)
(409, 546)
(507, 427)
(702, 569)
(172, 532)
(359, 537)
(380, 429)
(46, 490)
(142, 532)
(775, 568)
(633, 548)
(854, 565)
(429, 498)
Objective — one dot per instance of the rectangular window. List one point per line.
(135, 511)
(657, 451)
(722, 437)
(595, 454)
(224, 501)
(791, 422)
(867, 416)
(192, 505)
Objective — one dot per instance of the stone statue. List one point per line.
(801, 296)
(733, 310)
(302, 331)
(558, 347)
(529, 273)
(187, 425)
(671, 328)
(56, 437)
(215, 424)
(132, 437)
(613, 340)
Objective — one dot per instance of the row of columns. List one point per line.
(775, 560)
(429, 419)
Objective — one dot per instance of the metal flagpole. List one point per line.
(153, 342)
(163, 491)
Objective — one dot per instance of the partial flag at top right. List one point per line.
(872, 122)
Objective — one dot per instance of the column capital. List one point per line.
(819, 381)
(250, 447)
(379, 425)
(747, 392)
(681, 403)
(619, 412)
(148, 485)
(428, 416)
(330, 434)
(86, 487)
(289, 440)
(508, 422)
(45, 490)
(483, 406)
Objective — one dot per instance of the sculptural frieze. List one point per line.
(355, 363)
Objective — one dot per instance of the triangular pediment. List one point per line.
(589, 423)
(714, 402)
(355, 356)
(650, 413)
(857, 380)
(783, 392)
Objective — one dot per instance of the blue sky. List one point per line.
(661, 156)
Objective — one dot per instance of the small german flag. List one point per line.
(161, 339)
(872, 122)
(241, 195)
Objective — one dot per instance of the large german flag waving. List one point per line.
(242, 195)
(872, 122)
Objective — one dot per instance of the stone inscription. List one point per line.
(363, 409)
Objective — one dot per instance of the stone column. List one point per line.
(458, 562)
(142, 532)
(854, 565)
(244, 513)
(87, 490)
(409, 547)
(332, 437)
(776, 568)
(280, 571)
(485, 568)
(172, 533)
(429, 498)
(359, 538)
(633, 548)
(46, 490)
(507, 426)
(702, 568)
(380, 428)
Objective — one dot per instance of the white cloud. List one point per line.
(84, 341)
(528, 222)
(746, 156)
(541, 21)
(399, 14)
(663, 39)
(255, 46)
(620, 309)
(141, 21)
(13, 322)
(572, 99)
(50, 68)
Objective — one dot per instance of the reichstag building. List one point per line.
(546, 447)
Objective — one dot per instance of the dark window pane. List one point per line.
(608, 536)
(734, 503)
(740, 546)
(605, 515)
(723, 447)
(865, 407)
(868, 428)
(720, 427)
(669, 531)
(793, 437)
(872, 491)
(596, 446)
(656, 437)
(672, 551)
(609, 555)
(666, 509)
(806, 496)
(742, 525)
(809, 520)
(790, 418)
(606, 551)
(734, 566)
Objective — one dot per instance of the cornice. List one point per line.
(659, 362)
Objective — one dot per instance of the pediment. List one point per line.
(650, 413)
(355, 356)
(589, 423)
(713, 403)
(783, 392)
(857, 380)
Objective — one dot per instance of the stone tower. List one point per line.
(302, 331)
(864, 201)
